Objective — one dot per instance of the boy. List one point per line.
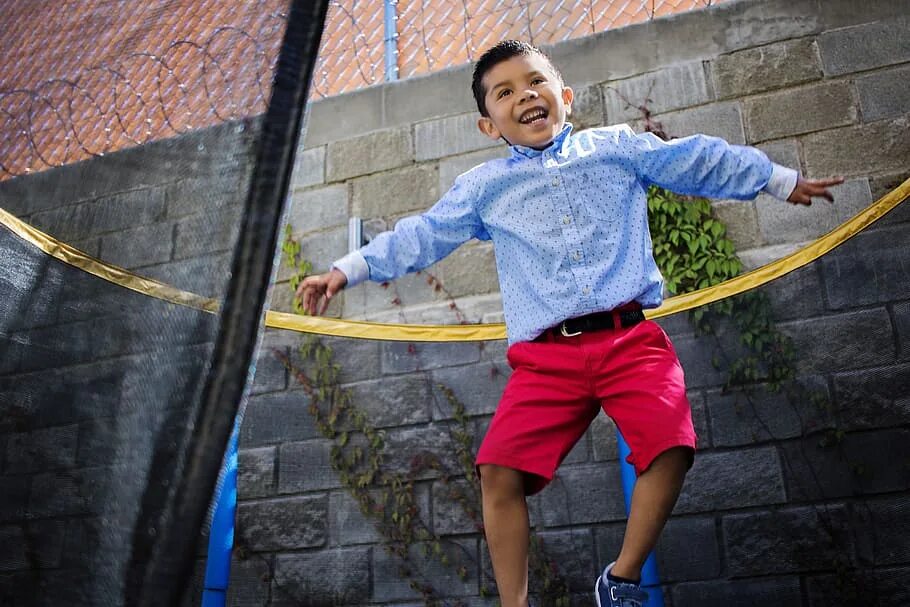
(567, 214)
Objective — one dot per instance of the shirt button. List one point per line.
(566, 219)
(586, 291)
(555, 181)
(576, 255)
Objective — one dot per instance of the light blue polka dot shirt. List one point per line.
(569, 224)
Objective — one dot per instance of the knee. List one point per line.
(500, 483)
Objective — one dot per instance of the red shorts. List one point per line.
(559, 384)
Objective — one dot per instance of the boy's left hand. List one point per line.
(807, 189)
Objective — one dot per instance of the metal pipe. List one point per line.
(221, 534)
(390, 20)
(650, 579)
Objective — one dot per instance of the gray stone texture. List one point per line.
(370, 153)
(866, 46)
(736, 479)
(782, 222)
(722, 120)
(790, 540)
(405, 357)
(249, 583)
(319, 208)
(283, 524)
(765, 68)
(140, 246)
(256, 472)
(741, 221)
(477, 387)
(449, 136)
(661, 91)
(204, 233)
(397, 401)
(583, 494)
(884, 94)
(873, 398)
(278, 417)
(42, 450)
(587, 107)
(869, 269)
(328, 577)
(306, 466)
(888, 529)
(878, 147)
(309, 167)
(814, 107)
(389, 585)
(783, 592)
(395, 192)
(453, 166)
(688, 550)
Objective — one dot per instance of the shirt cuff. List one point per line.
(782, 182)
(354, 267)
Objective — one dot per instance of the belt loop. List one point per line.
(617, 319)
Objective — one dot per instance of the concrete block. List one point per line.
(343, 116)
(359, 358)
(306, 466)
(859, 339)
(869, 269)
(451, 167)
(250, 581)
(888, 527)
(765, 68)
(478, 387)
(207, 233)
(783, 151)
(603, 439)
(42, 450)
(69, 492)
(142, 246)
(661, 91)
(120, 212)
(395, 301)
(403, 445)
(337, 576)
(428, 96)
(866, 46)
(449, 136)
(736, 479)
(271, 374)
(815, 107)
(783, 591)
(370, 153)
(889, 586)
(319, 208)
(456, 507)
(348, 525)
(901, 314)
(283, 524)
(583, 494)
(879, 147)
(740, 418)
(395, 192)
(688, 550)
(276, 418)
(884, 94)
(696, 354)
(256, 472)
(320, 249)
(390, 585)
(786, 541)
(403, 357)
(856, 466)
(469, 270)
(55, 346)
(788, 294)
(782, 222)
(309, 168)
(587, 107)
(758, 257)
(882, 185)
(570, 551)
(395, 401)
(206, 194)
(872, 398)
(741, 221)
(722, 120)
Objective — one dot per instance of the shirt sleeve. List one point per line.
(699, 165)
(417, 241)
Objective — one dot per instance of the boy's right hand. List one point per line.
(316, 291)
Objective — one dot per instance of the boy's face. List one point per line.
(526, 102)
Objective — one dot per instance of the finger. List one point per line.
(325, 304)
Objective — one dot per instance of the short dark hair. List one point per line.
(503, 51)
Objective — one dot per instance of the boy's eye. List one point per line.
(502, 93)
(537, 81)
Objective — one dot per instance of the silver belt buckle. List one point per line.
(562, 330)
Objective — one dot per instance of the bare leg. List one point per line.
(505, 520)
(655, 494)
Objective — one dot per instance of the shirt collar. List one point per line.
(521, 151)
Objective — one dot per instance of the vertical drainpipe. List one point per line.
(221, 534)
(650, 580)
(391, 39)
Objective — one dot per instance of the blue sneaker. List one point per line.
(618, 594)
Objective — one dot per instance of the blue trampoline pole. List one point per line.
(650, 580)
(221, 535)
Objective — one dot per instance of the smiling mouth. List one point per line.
(533, 115)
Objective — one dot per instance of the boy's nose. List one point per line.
(529, 94)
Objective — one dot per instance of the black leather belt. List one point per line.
(599, 321)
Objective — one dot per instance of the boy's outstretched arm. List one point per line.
(316, 291)
(807, 189)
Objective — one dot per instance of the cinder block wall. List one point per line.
(766, 514)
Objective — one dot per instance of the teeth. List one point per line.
(533, 116)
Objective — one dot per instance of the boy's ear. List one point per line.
(487, 127)
(568, 96)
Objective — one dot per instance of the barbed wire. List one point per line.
(227, 74)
